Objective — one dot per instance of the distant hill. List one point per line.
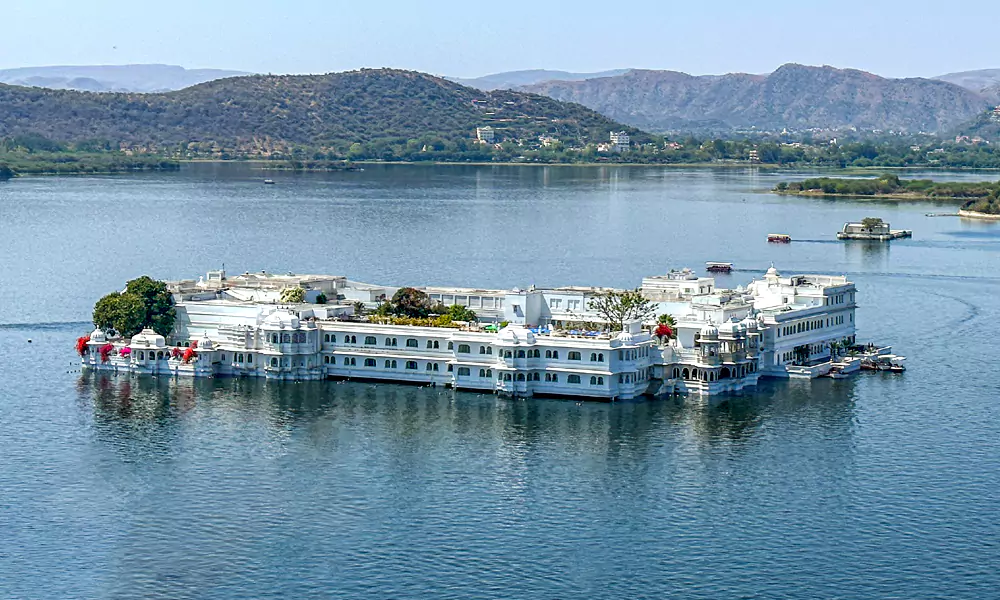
(986, 125)
(113, 78)
(984, 81)
(315, 110)
(513, 79)
(793, 97)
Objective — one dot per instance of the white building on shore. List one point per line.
(724, 339)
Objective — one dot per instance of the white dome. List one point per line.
(281, 319)
(750, 323)
(709, 331)
(772, 272)
(205, 343)
(731, 327)
(148, 338)
(98, 336)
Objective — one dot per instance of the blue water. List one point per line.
(881, 486)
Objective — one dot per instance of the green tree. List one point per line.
(293, 295)
(158, 304)
(321, 298)
(458, 312)
(410, 302)
(618, 307)
(666, 319)
(124, 313)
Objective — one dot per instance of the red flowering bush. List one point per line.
(106, 351)
(194, 343)
(176, 352)
(81, 345)
(188, 355)
(664, 331)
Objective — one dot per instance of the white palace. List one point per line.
(725, 340)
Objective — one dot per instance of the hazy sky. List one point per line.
(470, 38)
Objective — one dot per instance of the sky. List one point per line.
(893, 38)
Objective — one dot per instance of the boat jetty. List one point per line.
(872, 229)
(521, 342)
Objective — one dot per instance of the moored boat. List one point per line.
(779, 238)
(719, 267)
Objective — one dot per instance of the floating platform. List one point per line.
(719, 267)
(893, 234)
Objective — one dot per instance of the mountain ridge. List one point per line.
(793, 96)
(140, 78)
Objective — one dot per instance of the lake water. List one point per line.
(874, 487)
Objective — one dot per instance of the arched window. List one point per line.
(450, 368)
(437, 345)
(536, 376)
(555, 354)
(333, 338)
(489, 350)
(429, 367)
(326, 337)
(555, 378)
(411, 343)
(574, 356)
(548, 354)
(489, 373)
(600, 381)
(436, 367)
(388, 364)
(600, 357)
(593, 357)
(429, 344)
(451, 345)
(520, 376)
(687, 374)
(464, 372)
(274, 362)
(548, 377)
(520, 353)
(388, 341)
(482, 349)
(621, 355)
(369, 362)
(572, 379)
(370, 340)
(274, 338)
(506, 376)
(464, 349)
(593, 380)
(482, 373)
(393, 364)
(393, 342)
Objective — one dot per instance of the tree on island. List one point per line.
(144, 303)
(618, 307)
(410, 302)
(293, 295)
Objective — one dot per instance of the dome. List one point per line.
(98, 335)
(205, 343)
(148, 338)
(750, 323)
(281, 319)
(731, 327)
(709, 331)
(772, 272)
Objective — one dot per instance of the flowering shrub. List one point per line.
(126, 351)
(176, 353)
(194, 343)
(664, 331)
(105, 352)
(188, 354)
(81, 345)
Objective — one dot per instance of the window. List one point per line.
(354, 339)
(249, 358)
(285, 338)
(508, 354)
(369, 362)
(553, 377)
(451, 345)
(520, 353)
(535, 354)
(388, 341)
(326, 337)
(574, 356)
(464, 372)
(412, 343)
(388, 364)
(489, 350)
(274, 362)
(555, 354)
(411, 364)
(572, 379)
(464, 348)
(436, 367)
(429, 367)
(482, 373)
(534, 377)
(506, 376)
(429, 344)
(520, 376)
(489, 373)
(593, 380)
(450, 368)
(370, 340)
(482, 349)
(548, 354)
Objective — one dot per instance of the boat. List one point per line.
(779, 238)
(884, 362)
(719, 267)
(268, 182)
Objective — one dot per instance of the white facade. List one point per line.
(619, 141)
(485, 134)
(724, 339)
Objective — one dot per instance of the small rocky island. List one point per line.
(979, 199)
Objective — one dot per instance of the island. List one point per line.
(979, 199)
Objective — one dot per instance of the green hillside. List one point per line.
(268, 115)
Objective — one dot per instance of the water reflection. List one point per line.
(402, 416)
